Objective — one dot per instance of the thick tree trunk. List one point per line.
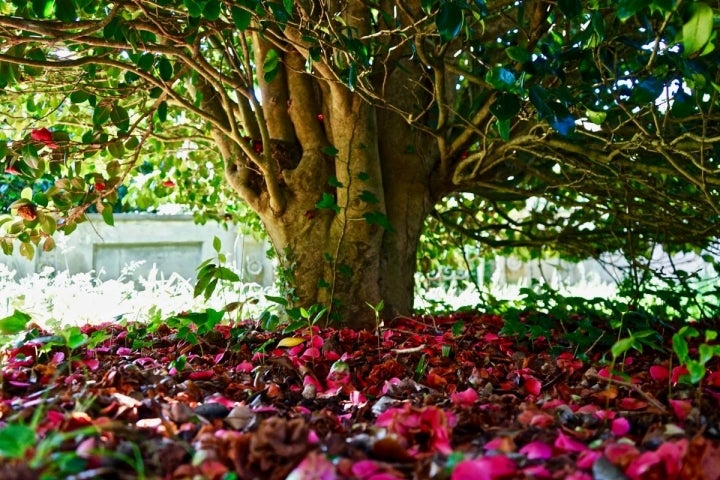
(368, 169)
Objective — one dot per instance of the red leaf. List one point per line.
(168, 184)
(532, 385)
(201, 375)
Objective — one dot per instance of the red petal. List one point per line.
(659, 373)
(41, 135)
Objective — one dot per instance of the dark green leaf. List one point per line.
(518, 54)
(212, 9)
(332, 151)
(65, 11)
(334, 182)
(570, 8)
(628, 8)
(79, 96)
(162, 111)
(43, 8)
(101, 115)
(503, 127)
(501, 78)
(120, 118)
(378, 218)
(165, 68)
(505, 106)
(15, 440)
(449, 20)
(241, 18)
(194, 7)
(368, 197)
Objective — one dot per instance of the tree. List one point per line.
(577, 126)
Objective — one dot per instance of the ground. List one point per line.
(432, 397)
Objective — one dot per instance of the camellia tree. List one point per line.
(581, 127)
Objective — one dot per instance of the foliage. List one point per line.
(568, 127)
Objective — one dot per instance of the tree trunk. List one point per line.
(343, 188)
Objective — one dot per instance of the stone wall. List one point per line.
(171, 243)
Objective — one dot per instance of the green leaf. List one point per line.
(596, 117)
(212, 9)
(449, 20)
(697, 31)
(14, 323)
(241, 18)
(622, 346)
(505, 106)
(15, 440)
(501, 78)
(217, 244)
(518, 54)
(101, 114)
(107, 214)
(628, 8)
(195, 9)
(378, 218)
(369, 197)
(224, 273)
(331, 151)
(328, 202)
(165, 68)
(116, 149)
(162, 111)
(288, 4)
(271, 65)
(65, 11)
(334, 182)
(352, 76)
(43, 8)
(503, 127)
(79, 96)
(120, 118)
(570, 8)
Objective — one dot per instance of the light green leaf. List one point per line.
(14, 323)
(697, 31)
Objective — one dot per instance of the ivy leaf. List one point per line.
(328, 202)
(449, 20)
(697, 31)
(379, 218)
(369, 197)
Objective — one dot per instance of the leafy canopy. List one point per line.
(576, 126)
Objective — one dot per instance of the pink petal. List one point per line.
(681, 408)
(536, 471)
(466, 398)
(587, 459)
(620, 426)
(567, 444)
(315, 466)
(659, 373)
(485, 468)
(532, 385)
(244, 367)
(642, 464)
(537, 450)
